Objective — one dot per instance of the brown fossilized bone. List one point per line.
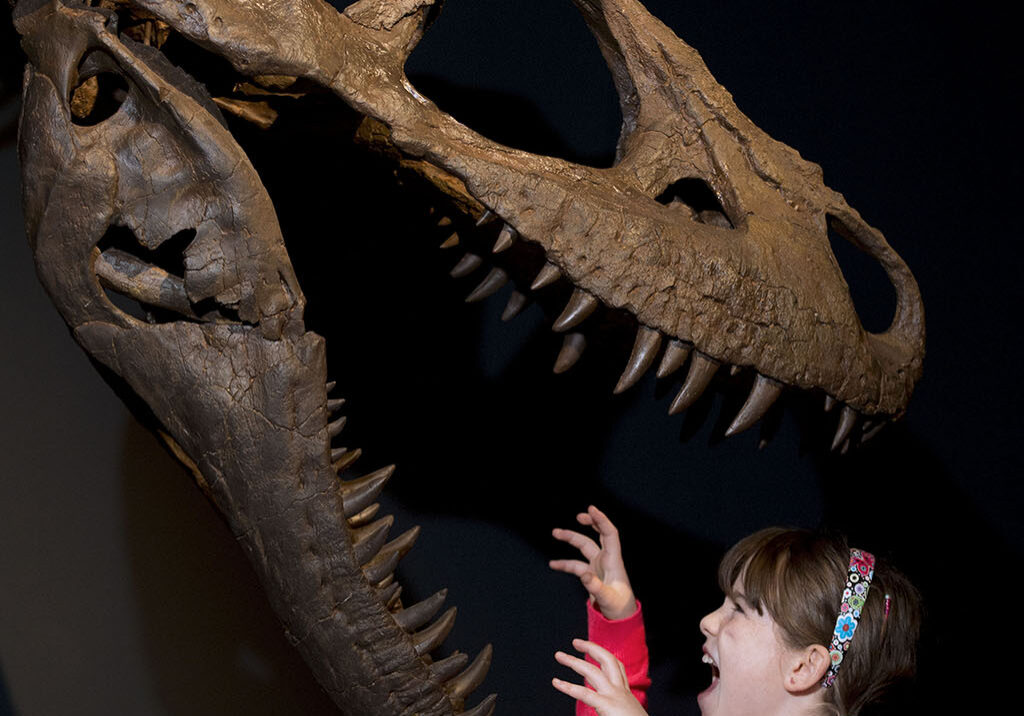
(222, 358)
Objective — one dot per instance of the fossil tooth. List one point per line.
(847, 419)
(466, 265)
(331, 385)
(581, 304)
(346, 460)
(357, 494)
(338, 453)
(489, 286)
(334, 404)
(364, 516)
(572, 348)
(451, 242)
(702, 370)
(734, 370)
(381, 566)
(417, 615)
(444, 221)
(430, 638)
(516, 303)
(463, 685)
(335, 427)
(484, 708)
(645, 348)
(389, 594)
(870, 432)
(764, 393)
(445, 669)
(546, 276)
(506, 238)
(403, 542)
(487, 217)
(367, 541)
(675, 355)
(830, 403)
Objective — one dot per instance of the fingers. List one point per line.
(577, 691)
(600, 522)
(570, 566)
(611, 668)
(587, 547)
(591, 672)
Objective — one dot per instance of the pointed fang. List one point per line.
(334, 428)
(334, 404)
(645, 348)
(331, 385)
(412, 618)
(581, 304)
(516, 303)
(830, 403)
(489, 286)
(445, 669)
(547, 276)
(358, 494)
(463, 685)
(381, 566)
(484, 708)
(675, 355)
(847, 419)
(764, 393)
(572, 349)
(451, 242)
(430, 638)
(702, 370)
(367, 541)
(466, 265)
(346, 460)
(506, 238)
(486, 218)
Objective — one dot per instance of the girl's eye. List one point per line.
(737, 608)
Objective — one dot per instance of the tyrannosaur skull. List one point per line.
(223, 360)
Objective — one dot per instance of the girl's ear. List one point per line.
(807, 669)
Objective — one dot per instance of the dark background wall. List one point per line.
(121, 592)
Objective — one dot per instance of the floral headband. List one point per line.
(858, 581)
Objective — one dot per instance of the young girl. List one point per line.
(808, 626)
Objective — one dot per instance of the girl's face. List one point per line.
(748, 660)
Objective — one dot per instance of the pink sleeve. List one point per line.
(626, 639)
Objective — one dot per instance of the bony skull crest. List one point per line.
(125, 155)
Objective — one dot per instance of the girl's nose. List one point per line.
(709, 624)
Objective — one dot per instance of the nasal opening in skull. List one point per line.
(871, 290)
(149, 284)
(534, 81)
(99, 92)
(696, 197)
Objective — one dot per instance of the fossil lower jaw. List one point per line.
(267, 461)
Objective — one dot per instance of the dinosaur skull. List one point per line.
(223, 360)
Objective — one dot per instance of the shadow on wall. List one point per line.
(213, 643)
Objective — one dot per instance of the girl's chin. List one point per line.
(705, 696)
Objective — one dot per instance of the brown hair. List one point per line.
(798, 577)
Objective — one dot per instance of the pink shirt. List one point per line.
(627, 640)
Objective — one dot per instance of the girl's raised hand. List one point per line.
(610, 695)
(603, 574)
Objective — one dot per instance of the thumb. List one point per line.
(593, 584)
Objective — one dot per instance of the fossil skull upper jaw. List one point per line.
(766, 292)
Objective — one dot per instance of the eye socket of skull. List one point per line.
(99, 91)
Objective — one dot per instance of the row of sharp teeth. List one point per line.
(645, 349)
(379, 559)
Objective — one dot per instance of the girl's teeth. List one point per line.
(707, 660)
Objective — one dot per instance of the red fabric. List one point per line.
(627, 640)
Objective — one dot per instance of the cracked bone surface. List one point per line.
(223, 359)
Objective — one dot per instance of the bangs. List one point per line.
(759, 562)
(794, 575)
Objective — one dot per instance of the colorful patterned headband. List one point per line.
(858, 580)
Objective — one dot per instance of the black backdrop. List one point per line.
(118, 582)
